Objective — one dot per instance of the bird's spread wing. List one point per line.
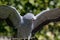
(4, 12)
(15, 17)
(11, 13)
(47, 15)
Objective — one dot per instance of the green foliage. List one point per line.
(5, 29)
(34, 6)
(51, 31)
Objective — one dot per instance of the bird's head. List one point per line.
(29, 16)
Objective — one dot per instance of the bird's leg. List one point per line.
(29, 36)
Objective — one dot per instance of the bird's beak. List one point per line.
(33, 19)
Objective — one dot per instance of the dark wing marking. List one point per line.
(48, 15)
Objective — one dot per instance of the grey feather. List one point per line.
(26, 26)
(11, 13)
(46, 15)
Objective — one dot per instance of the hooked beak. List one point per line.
(33, 19)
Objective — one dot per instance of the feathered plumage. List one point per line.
(27, 23)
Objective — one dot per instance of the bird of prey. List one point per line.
(27, 23)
